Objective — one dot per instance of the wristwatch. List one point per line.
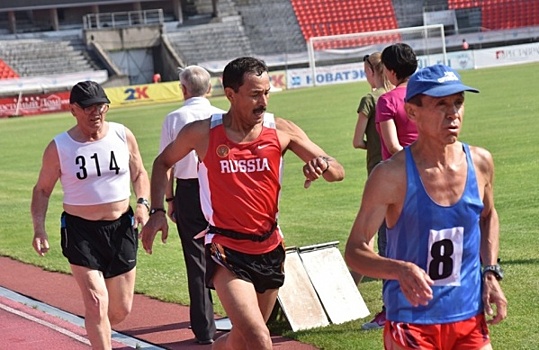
(145, 202)
(155, 210)
(495, 269)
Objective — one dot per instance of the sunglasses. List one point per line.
(366, 59)
(100, 108)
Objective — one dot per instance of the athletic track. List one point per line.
(43, 310)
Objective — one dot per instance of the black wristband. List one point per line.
(155, 210)
(169, 199)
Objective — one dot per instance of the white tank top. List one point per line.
(95, 172)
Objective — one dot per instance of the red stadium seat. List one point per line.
(6, 72)
(352, 16)
(502, 14)
(345, 16)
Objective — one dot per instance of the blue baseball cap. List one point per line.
(436, 81)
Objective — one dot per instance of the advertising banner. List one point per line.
(353, 72)
(34, 104)
(503, 56)
(277, 81)
(217, 87)
(144, 94)
(327, 75)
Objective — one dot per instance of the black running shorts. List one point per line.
(107, 246)
(264, 271)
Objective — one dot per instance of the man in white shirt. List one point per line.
(184, 202)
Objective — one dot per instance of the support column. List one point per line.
(95, 10)
(12, 21)
(177, 8)
(53, 16)
(136, 17)
(215, 10)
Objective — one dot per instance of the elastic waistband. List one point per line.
(128, 213)
(187, 182)
(243, 236)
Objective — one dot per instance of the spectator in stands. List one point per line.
(156, 78)
(184, 203)
(365, 136)
(465, 45)
(96, 162)
(396, 130)
(437, 197)
(241, 155)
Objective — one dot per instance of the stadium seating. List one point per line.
(37, 57)
(280, 32)
(332, 17)
(211, 41)
(462, 4)
(6, 72)
(502, 14)
(260, 27)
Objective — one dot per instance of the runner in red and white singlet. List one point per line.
(240, 182)
(248, 171)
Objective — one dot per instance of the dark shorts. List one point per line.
(264, 271)
(107, 246)
(470, 334)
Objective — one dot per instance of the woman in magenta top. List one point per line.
(392, 123)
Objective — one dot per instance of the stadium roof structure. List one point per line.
(21, 5)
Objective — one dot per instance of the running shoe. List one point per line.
(377, 322)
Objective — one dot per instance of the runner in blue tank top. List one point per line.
(437, 199)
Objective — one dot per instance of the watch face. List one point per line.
(155, 210)
(144, 202)
(495, 269)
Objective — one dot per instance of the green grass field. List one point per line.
(502, 118)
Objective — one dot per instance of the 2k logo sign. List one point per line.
(277, 80)
(137, 93)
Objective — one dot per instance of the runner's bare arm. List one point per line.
(139, 178)
(193, 136)
(382, 199)
(48, 176)
(490, 233)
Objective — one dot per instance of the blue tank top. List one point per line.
(445, 242)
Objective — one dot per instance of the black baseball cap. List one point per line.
(88, 93)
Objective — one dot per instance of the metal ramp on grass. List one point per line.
(318, 288)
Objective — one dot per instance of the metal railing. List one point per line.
(123, 19)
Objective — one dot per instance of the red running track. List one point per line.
(25, 328)
(151, 321)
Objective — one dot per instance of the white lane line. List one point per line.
(46, 324)
(74, 319)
